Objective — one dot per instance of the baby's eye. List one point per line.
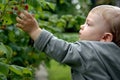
(88, 24)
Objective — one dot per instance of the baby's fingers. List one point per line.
(19, 25)
(20, 21)
(27, 14)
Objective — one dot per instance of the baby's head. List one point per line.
(102, 24)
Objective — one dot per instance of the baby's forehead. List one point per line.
(105, 9)
(108, 12)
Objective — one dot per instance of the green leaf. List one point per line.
(11, 36)
(51, 5)
(6, 50)
(27, 71)
(20, 70)
(9, 53)
(3, 60)
(1, 6)
(4, 68)
(7, 19)
(13, 18)
(3, 1)
(16, 69)
(34, 3)
(3, 77)
(3, 48)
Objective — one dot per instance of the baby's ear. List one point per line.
(107, 37)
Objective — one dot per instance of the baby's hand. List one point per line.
(29, 24)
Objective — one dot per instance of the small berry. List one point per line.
(26, 7)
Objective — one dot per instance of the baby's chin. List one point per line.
(82, 38)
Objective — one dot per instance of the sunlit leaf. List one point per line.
(27, 71)
(16, 69)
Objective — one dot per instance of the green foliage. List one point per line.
(17, 56)
(8, 71)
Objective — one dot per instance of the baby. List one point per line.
(96, 56)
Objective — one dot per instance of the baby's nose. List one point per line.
(81, 27)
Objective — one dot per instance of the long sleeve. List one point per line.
(58, 49)
(62, 51)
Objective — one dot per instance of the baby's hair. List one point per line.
(111, 15)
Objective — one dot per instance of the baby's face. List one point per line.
(93, 28)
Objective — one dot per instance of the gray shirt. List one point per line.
(89, 60)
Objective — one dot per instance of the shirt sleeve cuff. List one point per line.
(41, 42)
